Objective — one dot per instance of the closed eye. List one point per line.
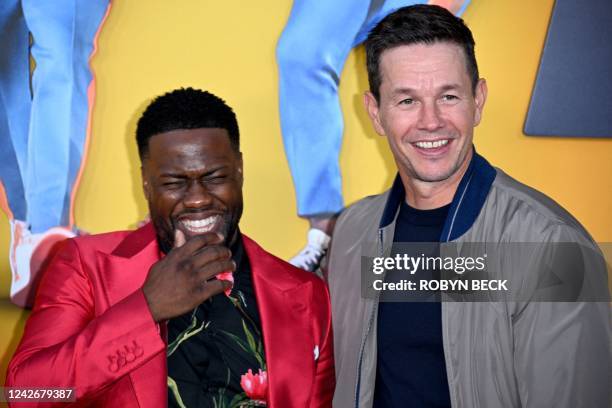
(217, 178)
(173, 183)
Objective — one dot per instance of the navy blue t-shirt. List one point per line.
(411, 371)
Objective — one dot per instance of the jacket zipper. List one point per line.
(375, 308)
(445, 344)
(369, 327)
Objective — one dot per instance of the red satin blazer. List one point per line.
(91, 327)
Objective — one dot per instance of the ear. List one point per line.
(239, 168)
(146, 187)
(480, 97)
(371, 105)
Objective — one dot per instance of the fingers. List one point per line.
(179, 238)
(214, 287)
(206, 261)
(214, 253)
(212, 269)
(198, 242)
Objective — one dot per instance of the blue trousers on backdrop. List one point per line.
(43, 123)
(311, 53)
(43, 126)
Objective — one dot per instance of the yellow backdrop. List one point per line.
(148, 47)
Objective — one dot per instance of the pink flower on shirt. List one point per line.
(227, 276)
(255, 385)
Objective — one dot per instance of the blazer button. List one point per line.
(112, 365)
(137, 350)
(129, 356)
(121, 360)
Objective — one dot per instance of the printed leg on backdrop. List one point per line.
(64, 34)
(15, 105)
(311, 53)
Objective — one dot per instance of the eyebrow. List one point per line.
(450, 87)
(410, 91)
(172, 175)
(402, 91)
(183, 175)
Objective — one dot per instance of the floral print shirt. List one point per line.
(212, 348)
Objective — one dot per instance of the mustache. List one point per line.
(196, 211)
(200, 211)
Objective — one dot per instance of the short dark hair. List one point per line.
(185, 108)
(418, 24)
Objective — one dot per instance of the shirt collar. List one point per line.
(467, 202)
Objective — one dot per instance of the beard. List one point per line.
(463, 158)
(165, 229)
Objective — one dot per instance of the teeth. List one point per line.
(200, 226)
(432, 145)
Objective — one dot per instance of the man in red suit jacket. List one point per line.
(99, 323)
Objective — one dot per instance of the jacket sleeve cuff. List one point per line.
(139, 336)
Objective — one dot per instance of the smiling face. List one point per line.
(192, 179)
(427, 111)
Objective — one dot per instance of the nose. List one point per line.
(197, 195)
(429, 117)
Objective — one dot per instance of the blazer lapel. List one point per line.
(125, 270)
(283, 304)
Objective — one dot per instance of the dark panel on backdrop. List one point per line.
(572, 95)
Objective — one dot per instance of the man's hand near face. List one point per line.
(185, 277)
